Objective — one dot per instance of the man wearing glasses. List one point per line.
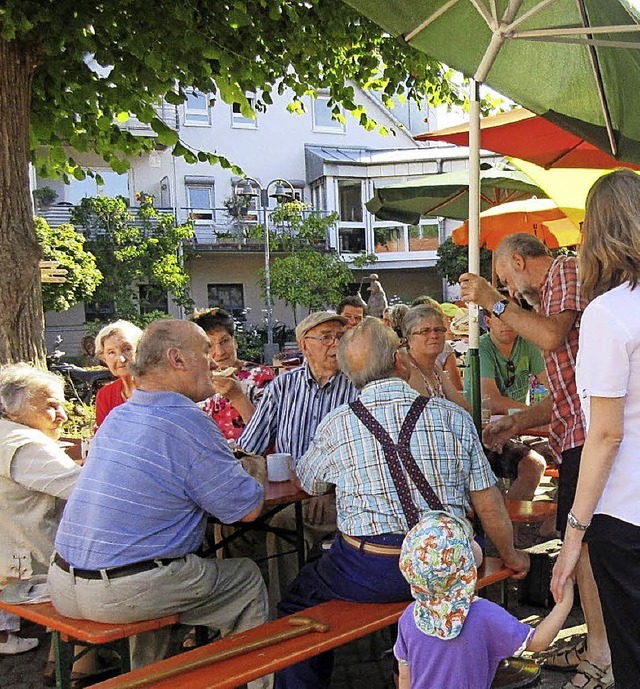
(507, 363)
(286, 418)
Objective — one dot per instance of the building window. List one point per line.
(200, 202)
(323, 120)
(229, 297)
(424, 237)
(388, 239)
(350, 200)
(196, 109)
(351, 239)
(111, 184)
(152, 298)
(103, 311)
(238, 120)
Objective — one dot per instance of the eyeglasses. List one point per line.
(325, 340)
(428, 331)
(511, 372)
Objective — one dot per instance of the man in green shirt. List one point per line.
(507, 364)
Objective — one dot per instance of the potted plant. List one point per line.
(237, 205)
(44, 196)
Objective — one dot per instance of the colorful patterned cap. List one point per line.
(438, 563)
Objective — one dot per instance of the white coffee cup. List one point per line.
(279, 466)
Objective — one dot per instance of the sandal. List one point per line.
(566, 656)
(594, 677)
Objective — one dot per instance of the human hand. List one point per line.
(228, 387)
(563, 570)
(496, 433)
(321, 510)
(519, 563)
(476, 289)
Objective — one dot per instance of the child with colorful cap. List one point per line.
(448, 638)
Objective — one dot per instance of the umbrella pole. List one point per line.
(473, 357)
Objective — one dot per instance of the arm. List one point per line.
(496, 434)
(451, 393)
(489, 506)
(500, 404)
(547, 630)
(404, 676)
(451, 367)
(599, 452)
(45, 469)
(260, 431)
(231, 389)
(547, 332)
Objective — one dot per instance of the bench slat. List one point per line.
(85, 630)
(347, 621)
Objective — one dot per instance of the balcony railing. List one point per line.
(214, 228)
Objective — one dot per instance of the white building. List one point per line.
(332, 166)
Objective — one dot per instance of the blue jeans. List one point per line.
(348, 574)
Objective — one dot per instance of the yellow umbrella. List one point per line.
(540, 217)
(568, 187)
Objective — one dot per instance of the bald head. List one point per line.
(158, 338)
(367, 353)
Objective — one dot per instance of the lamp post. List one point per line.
(251, 188)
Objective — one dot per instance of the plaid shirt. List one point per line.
(561, 292)
(344, 453)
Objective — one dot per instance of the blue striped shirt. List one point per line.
(157, 465)
(344, 453)
(291, 409)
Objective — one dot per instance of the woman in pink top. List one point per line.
(236, 394)
(115, 346)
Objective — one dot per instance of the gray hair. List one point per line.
(367, 353)
(416, 314)
(20, 382)
(128, 330)
(526, 245)
(398, 312)
(158, 337)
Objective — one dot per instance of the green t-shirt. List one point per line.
(526, 359)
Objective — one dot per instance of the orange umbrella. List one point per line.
(522, 134)
(540, 217)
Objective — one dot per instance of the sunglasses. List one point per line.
(511, 374)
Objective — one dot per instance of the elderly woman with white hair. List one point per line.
(35, 475)
(116, 346)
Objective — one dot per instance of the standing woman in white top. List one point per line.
(606, 508)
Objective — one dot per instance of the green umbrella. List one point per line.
(572, 61)
(447, 195)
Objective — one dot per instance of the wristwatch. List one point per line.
(575, 524)
(499, 307)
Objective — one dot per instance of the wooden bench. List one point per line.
(530, 511)
(68, 632)
(240, 658)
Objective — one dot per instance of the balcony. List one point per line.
(214, 228)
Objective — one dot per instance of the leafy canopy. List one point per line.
(67, 246)
(132, 250)
(225, 48)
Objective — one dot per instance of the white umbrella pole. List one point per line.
(473, 357)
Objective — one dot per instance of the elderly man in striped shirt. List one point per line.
(287, 417)
(392, 456)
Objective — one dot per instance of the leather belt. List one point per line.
(372, 548)
(114, 572)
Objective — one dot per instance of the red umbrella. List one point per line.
(522, 134)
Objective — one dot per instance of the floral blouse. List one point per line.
(253, 378)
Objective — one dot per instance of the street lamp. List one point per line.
(251, 188)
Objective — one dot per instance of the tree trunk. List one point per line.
(21, 316)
